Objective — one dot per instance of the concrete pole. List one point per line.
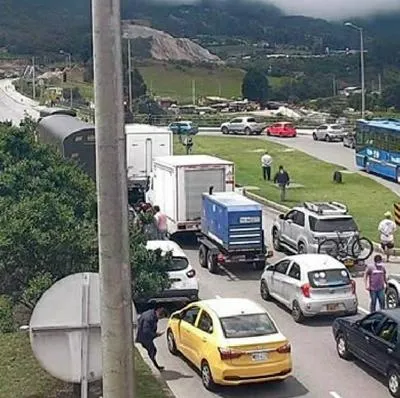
(115, 273)
(362, 73)
(33, 79)
(70, 74)
(130, 76)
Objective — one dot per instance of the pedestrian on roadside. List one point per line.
(266, 163)
(375, 282)
(147, 332)
(160, 221)
(387, 227)
(283, 180)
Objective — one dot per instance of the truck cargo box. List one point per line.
(233, 221)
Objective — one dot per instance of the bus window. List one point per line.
(90, 137)
(78, 138)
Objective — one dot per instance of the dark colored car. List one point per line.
(375, 340)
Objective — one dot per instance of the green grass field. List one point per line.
(367, 200)
(22, 377)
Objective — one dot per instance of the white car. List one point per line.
(329, 132)
(184, 283)
(309, 285)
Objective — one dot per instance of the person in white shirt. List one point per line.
(266, 163)
(387, 227)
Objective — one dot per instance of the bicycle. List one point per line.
(354, 246)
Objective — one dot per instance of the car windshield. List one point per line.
(252, 325)
(336, 127)
(342, 224)
(329, 278)
(178, 264)
(288, 126)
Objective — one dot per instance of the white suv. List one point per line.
(303, 228)
(184, 284)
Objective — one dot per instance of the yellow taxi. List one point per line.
(231, 342)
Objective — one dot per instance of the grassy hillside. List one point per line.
(175, 81)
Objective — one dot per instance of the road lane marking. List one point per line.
(334, 394)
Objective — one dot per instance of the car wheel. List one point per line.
(297, 313)
(171, 343)
(302, 248)
(268, 133)
(392, 298)
(276, 243)
(206, 377)
(314, 136)
(394, 383)
(203, 256)
(264, 291)
(247, 131)
(225, 130)
(341, 347)
(212, 262)
(327, 138)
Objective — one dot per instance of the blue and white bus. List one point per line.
(378, 147)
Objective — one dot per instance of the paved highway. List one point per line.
(14, 106)
(331, 152)
(318, 371)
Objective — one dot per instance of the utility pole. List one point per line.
(334, 86)
(130, 76)
(114, 266)
(33, 79)
(380, 84)
(194, 92)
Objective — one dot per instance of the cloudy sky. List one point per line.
(327, 9)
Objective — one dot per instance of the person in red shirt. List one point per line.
(160, 220)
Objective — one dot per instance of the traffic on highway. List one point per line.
(260, 303)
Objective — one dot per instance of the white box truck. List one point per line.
(178, 182)
(144, 142)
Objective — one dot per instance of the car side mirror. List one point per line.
(179, 315)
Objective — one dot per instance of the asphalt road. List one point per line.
(14, 106)
(318, 371)
(331, 152)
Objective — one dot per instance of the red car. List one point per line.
(283, 129)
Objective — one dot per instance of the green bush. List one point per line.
(6, 316)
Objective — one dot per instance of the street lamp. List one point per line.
(361, 30)
(70, 69)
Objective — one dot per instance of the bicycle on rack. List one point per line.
(357, 247)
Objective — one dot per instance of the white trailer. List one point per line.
(178, 182)
(144, 142)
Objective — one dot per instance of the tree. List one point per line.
(391, 96)
(48, 223)
(255, 86)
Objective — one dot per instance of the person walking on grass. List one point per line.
(266, 163)
(283, 180)
(387, 227)
(376, 282)
(147, 332)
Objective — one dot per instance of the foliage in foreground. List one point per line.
(48, 222)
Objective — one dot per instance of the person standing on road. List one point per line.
(266, 163)
(283, 180)
(147, 332)
(387, 227)
(375, 282)
(160, 220)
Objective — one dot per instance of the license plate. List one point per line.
(332, 307)
(349, 263)
(259, 356)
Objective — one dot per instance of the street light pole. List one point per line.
(361, 31)
(112, 193)
(33, 79)
(130, 75)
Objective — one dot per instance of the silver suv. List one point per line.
(304, 227)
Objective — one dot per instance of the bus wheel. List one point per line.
(398, 175)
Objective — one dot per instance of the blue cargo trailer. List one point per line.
(231, 231)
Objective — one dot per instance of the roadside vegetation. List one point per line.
(366, 199)
(22, 377)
